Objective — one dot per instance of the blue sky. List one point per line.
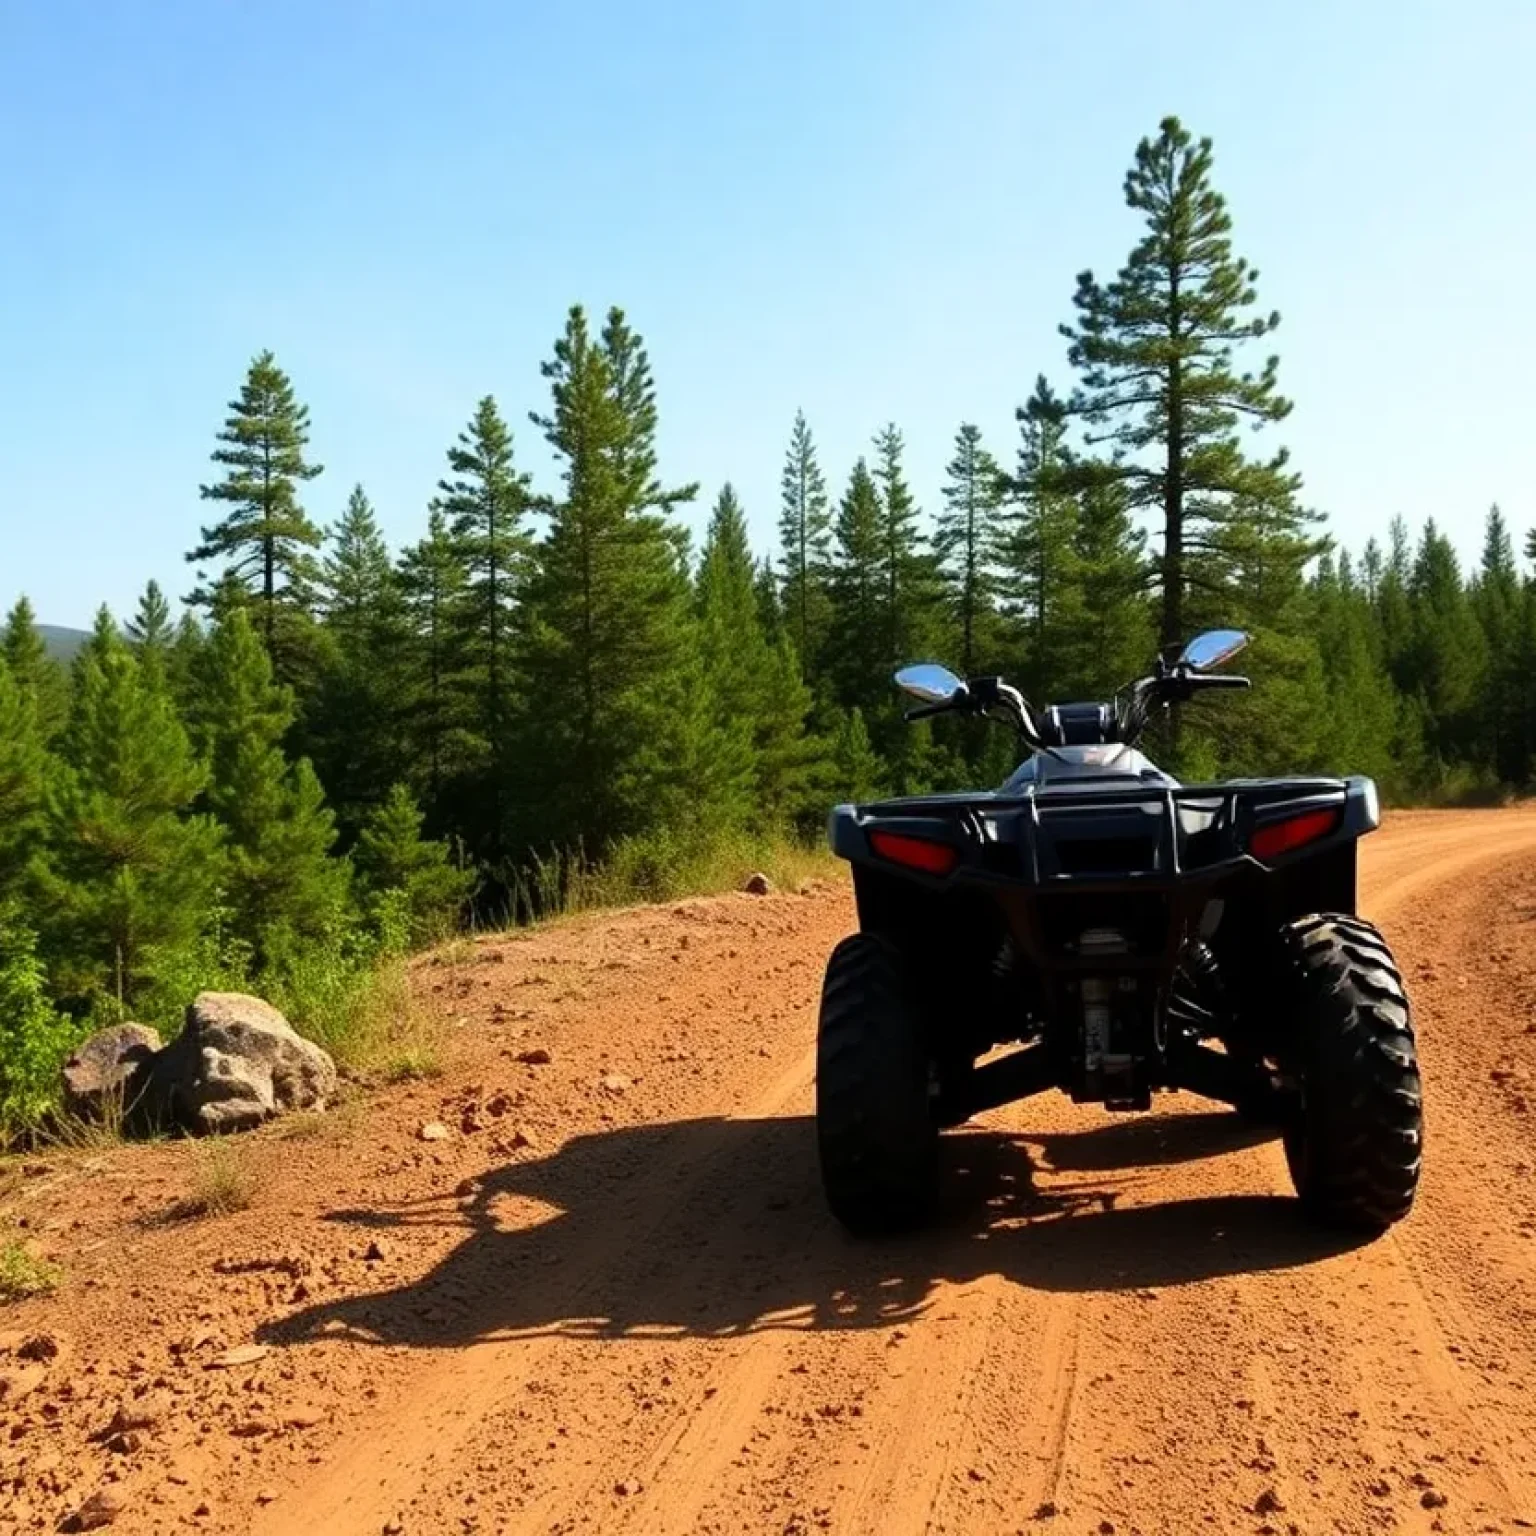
(874, 211)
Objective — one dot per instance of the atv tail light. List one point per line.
(915, 852)
(1294, 832)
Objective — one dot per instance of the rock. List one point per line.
(627, 1489)
(758, 885)
(39, 1346)
(434, 1130)
(1432, 1499)
(238, 1062)
(108, 1075)
(375, 1252)
(616, 1082)
(534, 1056)
(241, 1354)
(20, 1382)
(1268, 1503)
(140, 1413)
(102, 1508)
(303, 1416)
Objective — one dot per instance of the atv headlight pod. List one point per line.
(923, 853)
(1280, 837)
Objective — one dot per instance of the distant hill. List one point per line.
(62, 643)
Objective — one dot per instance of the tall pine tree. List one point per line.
(967, 539)
(1158, 381)
(266, 540)
(484, 502)
(805, 532)
(609, 622)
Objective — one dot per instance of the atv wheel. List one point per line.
(1355, 1140)
(875, 1130)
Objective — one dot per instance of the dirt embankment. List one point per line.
(610, 1297)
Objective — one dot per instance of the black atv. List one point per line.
(1123, 934)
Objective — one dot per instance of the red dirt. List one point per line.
(611, 1298)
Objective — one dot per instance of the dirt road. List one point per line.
(611, 1300)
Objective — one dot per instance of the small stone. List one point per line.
(758, 884)
(266, 1496)
(1268, 1503)
(393, 1527)
(434, 1130)
(616, 1082)
(139, 1413)
(21, 1382)
(534, 1056)
(102, 1508)
(126, 1442)
(1046, 1511)
(627, 1489)
(241, 1354)
(1432, 1498)
(375, 1252)
(303, 1416)
(41, 1346)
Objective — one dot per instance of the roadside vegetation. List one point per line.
(339, 753)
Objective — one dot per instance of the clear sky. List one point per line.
(871, 209)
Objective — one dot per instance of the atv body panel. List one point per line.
(1086, 907)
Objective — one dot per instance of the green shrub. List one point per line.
(34, 1036)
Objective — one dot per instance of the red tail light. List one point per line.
(1294, 832)
(915, 852)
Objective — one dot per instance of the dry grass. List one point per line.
(223, 1181)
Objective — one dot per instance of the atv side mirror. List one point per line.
(1212, 648)
(929, 682)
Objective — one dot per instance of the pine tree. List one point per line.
(1110, 637)
(392, 858)
(433, 579)
(354, 725)
(858, 642)
(1360, 718)
(356, 576)
(1154, 348)
(267, 540)
(1037, 549)
(22, 764)
(484, 504)
(283, 887)
(858, 773)
(731, 634)
(762, 702)
(910, 585)
(129, 876)
(36, 673)
(966, 541)
(1447, 655)
(609, 621)
(1497, 602)
(151, 629)
(805, 531)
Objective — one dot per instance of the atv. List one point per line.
(1094, 926)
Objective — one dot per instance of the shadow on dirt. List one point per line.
(718, 1227)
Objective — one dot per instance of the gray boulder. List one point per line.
(109, 1074)
(238, 1062)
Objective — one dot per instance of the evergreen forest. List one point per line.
(334, 750)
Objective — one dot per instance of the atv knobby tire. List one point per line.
(1355, 1140)
(876, 1134)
